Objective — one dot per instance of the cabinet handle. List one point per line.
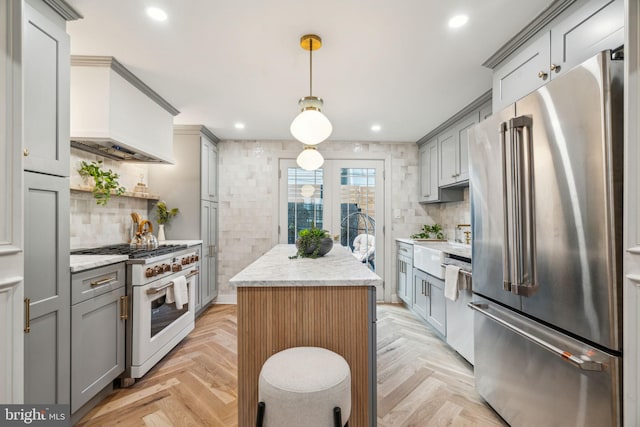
(543, 75)
(124, 307)
(102, 282)
(25, 152)
(427, 292)
(27, 315)
(555, 68)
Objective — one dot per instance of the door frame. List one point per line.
(386, 226)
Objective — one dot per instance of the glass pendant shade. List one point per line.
(307, 190)
(311, 127)
(310, 159)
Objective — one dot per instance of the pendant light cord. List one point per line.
(310, 65)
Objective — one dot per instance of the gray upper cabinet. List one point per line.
(444, 154)
(46, 90)
(594, 27)
(46, 290)
(209, 168)
(522, 74)
(428, 158)
(581, 31)
(454, 151)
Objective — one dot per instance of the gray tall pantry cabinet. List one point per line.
(191, 185)
(45, 150)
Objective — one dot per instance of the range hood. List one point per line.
(117, 116)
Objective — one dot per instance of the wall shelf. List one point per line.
(126, 194)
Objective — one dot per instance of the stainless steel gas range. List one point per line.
(155, 325)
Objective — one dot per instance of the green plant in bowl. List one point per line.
(106, 182)
(430, 232)
(313, 243)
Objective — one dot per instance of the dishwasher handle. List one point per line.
(585, 365)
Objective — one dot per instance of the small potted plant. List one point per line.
(105, 182)
(429, 232)
(313, 243)
(164, 216)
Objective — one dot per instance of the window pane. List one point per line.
(357, 212)
(305, 201)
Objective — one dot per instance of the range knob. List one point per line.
(165, 268)
(149, 272)
(197, 257)
(157, 270)
(184, 261)
(193, 258)
(176, 267)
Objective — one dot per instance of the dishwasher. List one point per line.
(459, 316)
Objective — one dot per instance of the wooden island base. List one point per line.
(338, 318)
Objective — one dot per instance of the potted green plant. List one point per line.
(105, 182)
(313, 243)
(430, 232)
(164, 216)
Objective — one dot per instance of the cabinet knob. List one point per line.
(543, 75)
(25, 152)
(555, 68)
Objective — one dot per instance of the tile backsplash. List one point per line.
(94, 225)
(452, 214)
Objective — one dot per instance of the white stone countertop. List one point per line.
(451, 248)
(87, 262)
(337, 268)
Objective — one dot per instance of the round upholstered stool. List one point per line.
(304, 386)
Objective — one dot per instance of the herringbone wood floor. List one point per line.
(421, 381)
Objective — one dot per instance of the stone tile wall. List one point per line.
(248, 188)
(93, 225)
(451, 214)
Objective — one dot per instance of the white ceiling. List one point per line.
(393, 63)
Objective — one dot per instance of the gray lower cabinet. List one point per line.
(98, 314)
(429, 301)
(420, 292)
(209, 227)
(46, 289)
(404, 270)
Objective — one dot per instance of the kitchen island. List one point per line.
(326, 302)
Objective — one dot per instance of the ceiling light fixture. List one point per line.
(310, 159)
(311, 127)
(458, 21)
(239, 125)
(376, 128)
(157, 14)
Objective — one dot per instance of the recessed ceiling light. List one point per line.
(376, 128)
(458, 21)
(157, 14)
(239, 125)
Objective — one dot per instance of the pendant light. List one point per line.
(311, 127)
(310, 159)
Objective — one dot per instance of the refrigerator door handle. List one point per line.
(506, 192)
(522, 219)
(585, 365)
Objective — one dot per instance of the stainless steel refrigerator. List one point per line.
(546, 208)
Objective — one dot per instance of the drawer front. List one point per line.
(97, 281)
(405, 249)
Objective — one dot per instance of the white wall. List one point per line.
(248, 189)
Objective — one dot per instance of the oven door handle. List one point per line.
(155, 290)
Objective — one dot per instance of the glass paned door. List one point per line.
(305, 201)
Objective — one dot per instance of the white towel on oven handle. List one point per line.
(451, 274)
(169, 297)
(180, 291)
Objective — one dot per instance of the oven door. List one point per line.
(158, 325)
